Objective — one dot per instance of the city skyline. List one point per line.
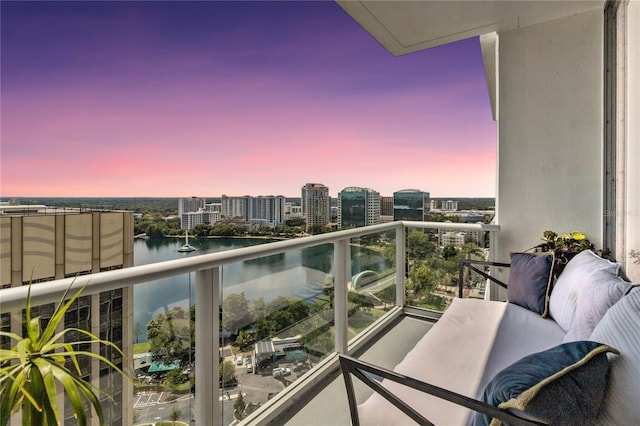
(166, 99)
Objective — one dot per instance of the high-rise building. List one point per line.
(386, 206)
(410, 204)
(358, 207)
(189, 205)
(233, 206)
(316, 204)
(268, 210)
(46, 245)
(192, 204)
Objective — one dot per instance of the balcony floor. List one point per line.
(329, 406)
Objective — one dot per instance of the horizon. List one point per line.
(168, 98)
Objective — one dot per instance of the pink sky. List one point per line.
(163, 99)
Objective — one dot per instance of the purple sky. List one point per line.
(155, 99)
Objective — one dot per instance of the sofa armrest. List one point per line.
(472, 265)
(351, 366)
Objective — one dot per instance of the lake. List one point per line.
(298, 273)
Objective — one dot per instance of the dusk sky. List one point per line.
(173, 99)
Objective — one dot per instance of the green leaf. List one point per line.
(50, 388)
(38, 393)
(33, 330)
(80, 387)
(58, 315)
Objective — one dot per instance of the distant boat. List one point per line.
(186, 247)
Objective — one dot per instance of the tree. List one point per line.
(175, 413)
(172, 336)
(154, 230)
(449, 252)
(176, 377)
(137, 330)
(471, 249)
(238, 407)
(235, 312)
(227, 372)
(317, 229)
(258, 308)
(423, 279)
(201, 230)
(418, 245)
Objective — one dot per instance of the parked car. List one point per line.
(249, 367)
(239, 359)
(281, 372)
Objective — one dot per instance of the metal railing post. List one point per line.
(492, 292)
(342, 271)
(207, 347)
(401, 260)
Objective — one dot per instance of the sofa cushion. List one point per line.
(559, 386)
(564, 295)
(597, 294)
(530, 280)
(620, 327)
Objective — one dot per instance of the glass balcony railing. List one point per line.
(275, 313)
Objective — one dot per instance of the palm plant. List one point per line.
(32, 371)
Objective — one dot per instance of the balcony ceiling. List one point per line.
(408, 26)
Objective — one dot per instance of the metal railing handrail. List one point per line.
(13, 298)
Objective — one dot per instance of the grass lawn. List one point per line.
(141, 348)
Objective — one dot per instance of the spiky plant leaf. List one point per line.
(31, 369)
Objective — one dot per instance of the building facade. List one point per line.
(189, 205)
(263, 210)
(410, 204)
(358, 207)
(268, 210)
(386, 206)
(37, 248)
(316, 204)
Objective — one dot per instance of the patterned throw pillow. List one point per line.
(563, 385)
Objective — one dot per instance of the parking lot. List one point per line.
(260, 387)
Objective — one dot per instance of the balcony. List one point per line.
(349, 267)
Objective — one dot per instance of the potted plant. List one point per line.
(33, 370)
(564, 247)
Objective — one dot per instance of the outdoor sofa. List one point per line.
(560, 351)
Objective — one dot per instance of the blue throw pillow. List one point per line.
(563, 385)
(530, 279)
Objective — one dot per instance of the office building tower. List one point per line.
(386, 206)
(358, 207)
(46, 245)
(316, 204)
(410, 204)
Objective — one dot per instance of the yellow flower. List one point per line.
(578, 235)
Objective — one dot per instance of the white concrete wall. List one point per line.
(631, 207)
(550, 131)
